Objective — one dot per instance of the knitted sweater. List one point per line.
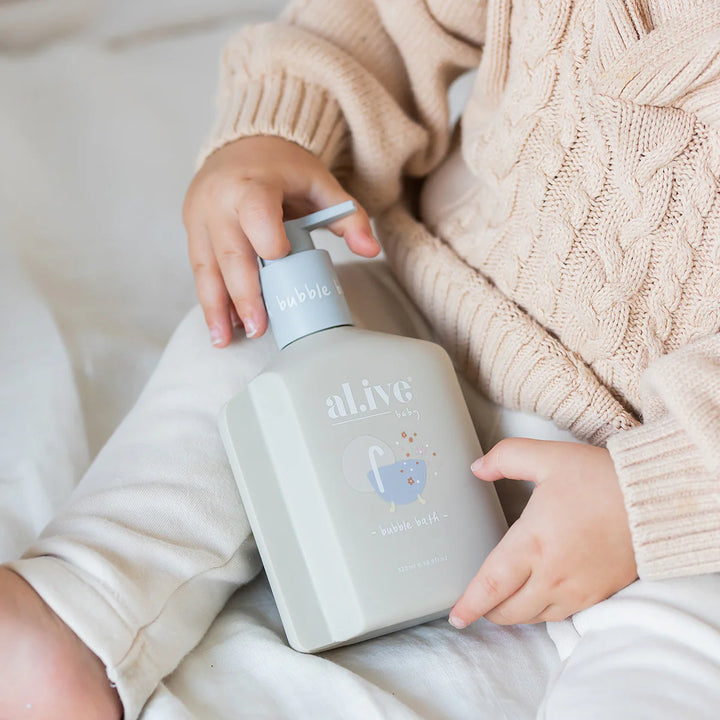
(567, 245)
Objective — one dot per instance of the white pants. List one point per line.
(155, 540)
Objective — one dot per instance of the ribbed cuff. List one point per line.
(283, 106)
(86, 611)
(672, 501)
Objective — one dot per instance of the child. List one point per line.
(568, 258)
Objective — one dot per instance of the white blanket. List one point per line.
(97, 138)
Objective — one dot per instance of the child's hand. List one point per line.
(234, 211)
(570, 548)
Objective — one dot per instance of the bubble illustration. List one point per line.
(371, 465)
(398, 483)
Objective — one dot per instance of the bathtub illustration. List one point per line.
(398, 483)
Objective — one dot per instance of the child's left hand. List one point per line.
(570, 548)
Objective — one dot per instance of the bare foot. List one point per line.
(46, 672)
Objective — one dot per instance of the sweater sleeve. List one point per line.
(361, 84)
(669, 467)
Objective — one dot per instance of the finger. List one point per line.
(234, 317)
(516, 458)
(295, 207)
(210, 287)
(260, 213)
(239, 268)
(504, 571)
(522, 606)
(355, 229)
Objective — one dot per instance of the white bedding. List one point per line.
(98, 136)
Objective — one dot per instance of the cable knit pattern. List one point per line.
(569, 249)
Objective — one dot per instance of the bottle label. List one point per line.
(397, 471)
(371, 400)
(391, 450)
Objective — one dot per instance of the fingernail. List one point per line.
(235, 319)
(477, 464)
(456, 622)
(216, 335)
(250, 327)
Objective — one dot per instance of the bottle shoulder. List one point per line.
(351, 345)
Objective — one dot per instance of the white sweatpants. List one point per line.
(155, 540)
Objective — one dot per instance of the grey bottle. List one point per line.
(352, 454)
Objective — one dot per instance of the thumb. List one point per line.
(355, 229)
(515, 458)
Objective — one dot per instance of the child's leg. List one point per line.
(155, 539)
(650, 651)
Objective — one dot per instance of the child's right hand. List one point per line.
(234, 211)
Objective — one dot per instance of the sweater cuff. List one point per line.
(672, 500)
(283, 106)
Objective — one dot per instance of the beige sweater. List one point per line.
(570, 251)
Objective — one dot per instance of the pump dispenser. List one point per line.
(301, 291)
(352, 454)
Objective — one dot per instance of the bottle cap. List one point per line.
(301, 290)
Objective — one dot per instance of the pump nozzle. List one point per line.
(301, 291)
(298, 230)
